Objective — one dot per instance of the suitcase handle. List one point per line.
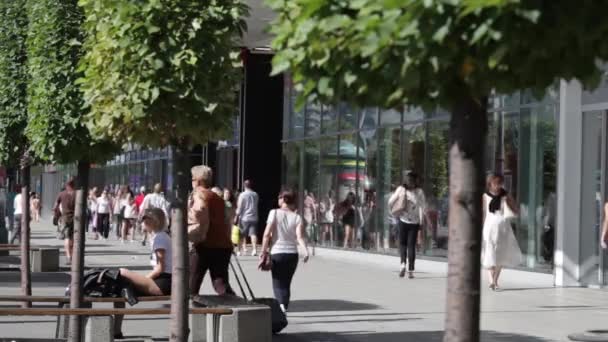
(243, 275)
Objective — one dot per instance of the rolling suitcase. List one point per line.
(279, 319)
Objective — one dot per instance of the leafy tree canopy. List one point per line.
(432, 52)
(13, 81)
(161, 72)
(56, 127)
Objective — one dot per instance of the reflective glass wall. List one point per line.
(331, 151)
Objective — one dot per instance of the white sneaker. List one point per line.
(254, 253)
(238, 253)
(283, 308)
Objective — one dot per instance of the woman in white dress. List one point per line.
(499, 247)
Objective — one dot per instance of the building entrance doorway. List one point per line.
(594, 260)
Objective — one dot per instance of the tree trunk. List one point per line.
(468, 127)
(180, 277)
(26, 275)
(80, 221)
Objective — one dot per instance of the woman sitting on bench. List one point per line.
(157, 282)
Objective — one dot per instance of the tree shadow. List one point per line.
(317, 305)
(414, 336)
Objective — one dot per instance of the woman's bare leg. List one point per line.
(141, 283)
(497, 275)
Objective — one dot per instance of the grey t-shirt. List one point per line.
(247, 208)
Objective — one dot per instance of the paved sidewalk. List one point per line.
(347, 296)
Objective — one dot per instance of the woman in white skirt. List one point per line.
(499, 247)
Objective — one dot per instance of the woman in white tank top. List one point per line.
(285, 228)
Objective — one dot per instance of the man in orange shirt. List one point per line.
(209, 233)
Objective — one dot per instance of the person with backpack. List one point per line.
(285, 228)
(408, 205)
(158, 281)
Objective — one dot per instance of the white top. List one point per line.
(247, 208)
(154, 200)
(92, 203)
(118, 205)
(103, 205)
(161, 240)
(284, 238)
(18, 205)
(130, 209)
(416, 205)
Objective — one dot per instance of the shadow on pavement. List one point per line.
(315, 305)
(414, 336)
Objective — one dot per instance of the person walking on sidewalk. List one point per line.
(17, 215)
(410, 221)
(499, 246)
(247, 217)
(65, 206)
(104, 208)
(92, 212)
(209, 234)
(131, 215)
(284, 231)
(154, 200)
(35, 207)
(118, 208)
(604, 241)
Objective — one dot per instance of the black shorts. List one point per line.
(164, 283)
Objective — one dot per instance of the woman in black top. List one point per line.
(347, 209)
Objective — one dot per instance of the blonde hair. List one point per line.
(202, 173)
(158, 188)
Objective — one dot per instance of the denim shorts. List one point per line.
(249, 228)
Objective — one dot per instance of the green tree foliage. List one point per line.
(430, 52)
(162, 72)
(13, 81)
(56, 127)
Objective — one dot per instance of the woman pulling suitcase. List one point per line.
(285, 228)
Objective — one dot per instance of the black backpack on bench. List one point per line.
(106, 283)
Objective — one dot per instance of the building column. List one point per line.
(569, 179)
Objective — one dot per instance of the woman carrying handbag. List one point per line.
(285, 228)
(499, 246)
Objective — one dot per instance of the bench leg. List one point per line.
(204, 328)
(99, 329)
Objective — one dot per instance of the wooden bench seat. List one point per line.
(65, 299)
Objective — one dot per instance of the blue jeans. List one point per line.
(283, 268)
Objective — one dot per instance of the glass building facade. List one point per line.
(329, 151)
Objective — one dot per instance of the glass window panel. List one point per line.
(504, 101)
(368, 119)
(313, 119)
(348, 117)
(390, 117)
(598, 95)
(327, 191)
(297, 117)
(371, 234)
(435, 183)
(291, 165)
(311, 180)
(412, 113)
(388, 177)
(329, 119)
(348, 183)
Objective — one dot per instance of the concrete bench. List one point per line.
(247, 323)
(99, 323)
(42, 258)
